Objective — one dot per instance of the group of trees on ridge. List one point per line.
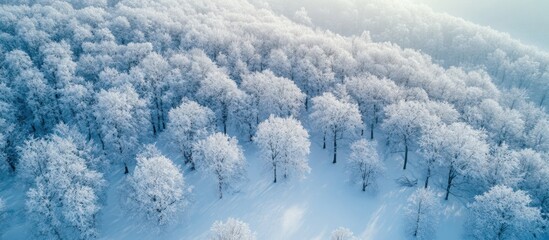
(84, 86)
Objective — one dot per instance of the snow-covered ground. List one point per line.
(309, 208)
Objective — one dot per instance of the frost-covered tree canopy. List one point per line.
(240, 89)
(502, 213)
(422, 214)
(364, 163)
(232, 229)
(284, 144)
(188, 123)
(220, 156)
(335, 118)
(156, 188)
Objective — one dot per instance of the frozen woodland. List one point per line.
(268, 119)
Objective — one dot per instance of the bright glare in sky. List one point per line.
(527, 20)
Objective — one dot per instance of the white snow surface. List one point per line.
(309, 208)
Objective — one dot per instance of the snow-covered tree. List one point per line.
(58, 65)
(76, 103)
(503, 167)
(538, 137)
(122, 118)
(313, 71)
(364, 163)
(431, 145)
(535, 177)
(422, 214)
(151, 81)
(34, 97)
(335, 117)
(342, 233)
(63, 199)
(502, 213)
(406, 121)
(220, 93)
(464, 153)
(7, 130)
(284, 144)
(273, 95)
(502, 124)
(372, 96)
(156, 188)
(222, 157)
(187, 124)
(232, 229)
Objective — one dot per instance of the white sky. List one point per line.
(527, 20)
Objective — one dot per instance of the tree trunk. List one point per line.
(274, 167)
(372, 131)
(501, 231)
(154, 128)
(417, 219)
(220, 190)
(335, 147)
(324, 141)
(193, 166)
(450, 179)
(364, 184)
(224, 119)
(428, 176)
(405, 155)
(163, 121)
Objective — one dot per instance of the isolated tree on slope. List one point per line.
(232, 229)
(364, 163)
(189, 123)
(405, 123)
(342, 233)
(502, 213)
(123, 119)
(156, 187)
(284, 144)
(335, 117)
(221, 156)
(422, 214)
